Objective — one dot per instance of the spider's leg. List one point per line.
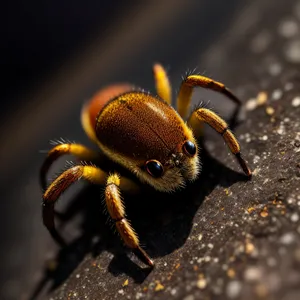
(116, 210)
(162, 83)
(79, 151)
(217, 123)
(65, 180)
(186, 89)
(59, 185)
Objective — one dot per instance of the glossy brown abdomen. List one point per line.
(91, 109)
(100, 99)
(141, 127)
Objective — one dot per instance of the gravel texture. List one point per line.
(223, 237)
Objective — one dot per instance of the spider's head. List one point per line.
(174, 171)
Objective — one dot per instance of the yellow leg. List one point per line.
(80, 151)
(113, 201)
(116, 210)
(185, 93)
(162, 83)
(59, 185)
(217, 123)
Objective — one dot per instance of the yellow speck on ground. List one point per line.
(159, 286)
(262, 98)
(231, 273)
(249, 247)
(227, 192)
(125, 283)
(264, 213)
(270, 110)
(250, 209)
(201, 283)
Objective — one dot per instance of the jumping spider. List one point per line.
(147, 136)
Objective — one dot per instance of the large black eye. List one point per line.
(154, 168)
(189, 148)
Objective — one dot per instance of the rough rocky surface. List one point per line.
(223, 237)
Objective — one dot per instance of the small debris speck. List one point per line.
(261, 98)
(138, 295)
(287, 238)
(251, 104)
(249, 247)
(277, 94)
(233, 289)
(201, 283)
(256, 159)
(210, 245)
(159, 286)
(264, 138)
(231, 273)
(227, 192)
(173, 292)
(125, 283)
(250, 209)
(264, 213)
(296, 101)
(295, 217)
(200, 236)
(288, 28)
(270, 110)
(253, 274)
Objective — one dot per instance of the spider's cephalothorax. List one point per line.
(144, 134)
(151, 141)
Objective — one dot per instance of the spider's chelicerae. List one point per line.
(145, 135)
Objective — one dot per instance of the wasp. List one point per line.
(144, 134)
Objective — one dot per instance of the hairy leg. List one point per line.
(205, 115)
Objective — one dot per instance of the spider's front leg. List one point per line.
(116, 210)
(79, 151)
(205, 115)
(186, 89)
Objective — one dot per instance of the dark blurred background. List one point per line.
(54, 56)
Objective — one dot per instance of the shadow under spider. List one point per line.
(163, 222)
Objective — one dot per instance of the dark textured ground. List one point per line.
(223, 237)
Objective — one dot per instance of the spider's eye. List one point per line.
(154, 168)
(189, 148)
